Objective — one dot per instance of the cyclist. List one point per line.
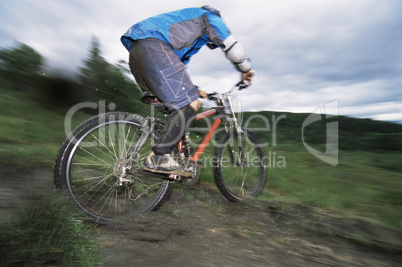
(160, 47)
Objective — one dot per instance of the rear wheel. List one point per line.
(239, 165)
(101, 162)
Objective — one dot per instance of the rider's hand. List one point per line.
(202, 94)
(248, 77)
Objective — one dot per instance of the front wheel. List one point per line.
(100, 164)
(239, 165)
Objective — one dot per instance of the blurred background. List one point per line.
(42, 76)
(57, 54)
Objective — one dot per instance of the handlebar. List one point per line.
(210, 96)
(240, 85)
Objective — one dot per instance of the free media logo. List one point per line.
(326, 112)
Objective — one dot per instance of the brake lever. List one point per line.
(242, 85)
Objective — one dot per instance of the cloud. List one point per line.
(306, 53)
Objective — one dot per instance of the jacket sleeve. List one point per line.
(217, 30)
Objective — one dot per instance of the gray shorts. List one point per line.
(158, 69)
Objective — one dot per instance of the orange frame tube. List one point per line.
(205, 114)
(197, 155)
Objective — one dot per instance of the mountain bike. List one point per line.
(101, 162)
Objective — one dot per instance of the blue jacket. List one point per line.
(185, 30)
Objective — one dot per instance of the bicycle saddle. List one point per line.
(149, 98)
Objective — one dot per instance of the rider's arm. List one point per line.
(235, 52)
(220, 35)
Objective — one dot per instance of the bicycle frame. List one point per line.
(216, 123)
(220, 100)
(111, 178)
(201, 147)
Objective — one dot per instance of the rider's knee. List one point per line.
(195, 104)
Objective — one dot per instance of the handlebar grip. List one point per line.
(251, 74)
(247, 81)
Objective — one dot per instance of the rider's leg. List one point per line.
(157, 68)
(174, 129)
(176, 126)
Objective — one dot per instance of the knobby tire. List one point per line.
(240, 168)
(95, 154)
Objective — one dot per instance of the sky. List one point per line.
(341, 56)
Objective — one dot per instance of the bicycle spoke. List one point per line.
(102, 174)
(245, 174)
(104, 146)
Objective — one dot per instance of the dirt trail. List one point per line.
(198, 227)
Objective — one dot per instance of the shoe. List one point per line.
(164, 164)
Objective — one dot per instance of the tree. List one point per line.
(101, 80)
(21, 66)
(92, 75)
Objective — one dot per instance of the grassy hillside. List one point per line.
(366, 182)
(32, 131)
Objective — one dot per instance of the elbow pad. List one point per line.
(235, 53)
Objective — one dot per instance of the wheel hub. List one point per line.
(120, 168)
(120, 171)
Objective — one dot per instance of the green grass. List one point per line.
(354, 186)
(30, 134)
(53, 233)
(364, 183)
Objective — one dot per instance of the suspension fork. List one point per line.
(239, 132)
